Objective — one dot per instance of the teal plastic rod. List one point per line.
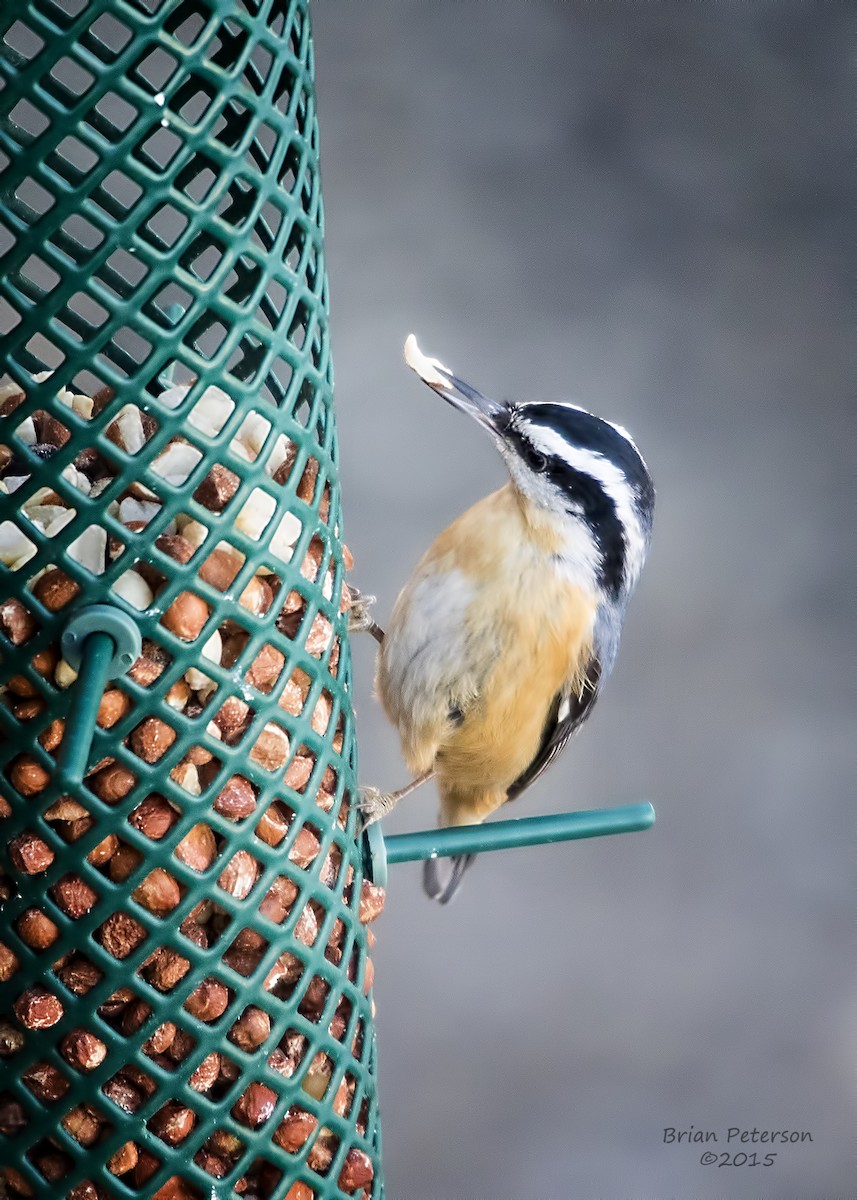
(96, 659)
(526, 831)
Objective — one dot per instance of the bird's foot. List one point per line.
(359, 616)
(373, 804)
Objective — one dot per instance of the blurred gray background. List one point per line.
(641, 208)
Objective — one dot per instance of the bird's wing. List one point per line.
(567, 713)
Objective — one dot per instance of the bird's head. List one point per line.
(583, 473)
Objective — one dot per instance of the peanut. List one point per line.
(322, 1152)
(78, 974)
(46, 1082)
(197, 848)
(176, 1189)
(255, 1106)
(117, 1004)
(232, 719)
(300, 769)
(305, 847)
(154, 817)
(186, 776)
(173, 1122)
(295, 1129)
(161, 1039)
(123, 1160)
(123, 1094)
(306, 927)
(124, 863)
(30, 854)
(150, 664)
(55, 589)
(221, 567)
(74, 896)
(146, 1166)
(37, 1008)
(37, 929)
(16, 1181)
(28, 776)
(217, 489)
(299, 1191)
(372, 900)
(257, 596)
(239, 875)
(16, 622)
(113, 707)
(151, 739)
(186, 616)
(273, 824)
(12, 1118)
(11, 1039)
(237, 799)
(208, 1000)
(277, 905)
(44, 663)
(165, 968)
(178, 695)
(158, 892)
(25, 710)
(266, 668)
(121, 934)
(175, 546)
(105, 849)
(9, 962)
(271, 749)
(65, 809)
(212, 1164)
(206, 1074)
(111, 783)
(357, 1170)
(83, 1050)
(251, 1029)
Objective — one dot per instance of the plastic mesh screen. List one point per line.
(184, 965)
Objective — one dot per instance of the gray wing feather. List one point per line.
(567, 714)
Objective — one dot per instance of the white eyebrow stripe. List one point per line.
(611, 478)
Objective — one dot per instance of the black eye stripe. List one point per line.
(535, 459)
(591, 501)
(599, 512)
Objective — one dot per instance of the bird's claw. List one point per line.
(359, 616)
(372, 804)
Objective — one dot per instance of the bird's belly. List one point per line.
(496, 741)
(544, 645)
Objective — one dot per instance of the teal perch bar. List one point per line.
(96, 660)
(101, 642)
(526, 831)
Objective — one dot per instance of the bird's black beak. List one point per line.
(489, 413)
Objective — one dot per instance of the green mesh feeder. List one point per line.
(185, 981)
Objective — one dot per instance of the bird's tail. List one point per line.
(442, 877)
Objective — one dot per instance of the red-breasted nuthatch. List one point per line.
(502, 638)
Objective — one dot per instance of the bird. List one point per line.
(500, 642)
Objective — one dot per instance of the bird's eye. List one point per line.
(536, 461)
